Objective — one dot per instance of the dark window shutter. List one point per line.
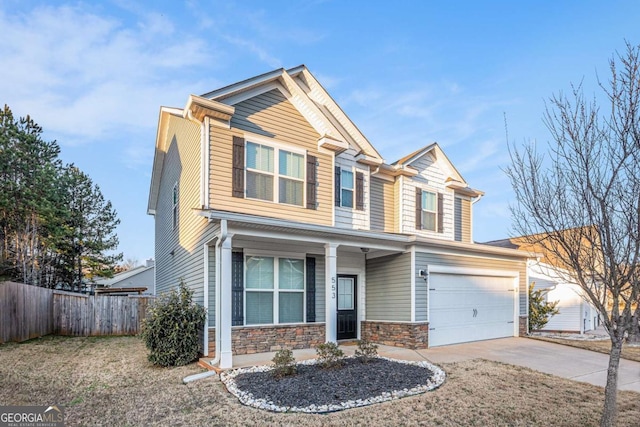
(311, 290)
(237, 289)
(440, 213)
(359, 191)
(238, 167)
(418, 209)
(337, 185)
(312, 182)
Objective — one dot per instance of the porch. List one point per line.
(270, 287)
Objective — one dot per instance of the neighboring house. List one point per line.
(575, 313)
(142, 276)
(292, 230)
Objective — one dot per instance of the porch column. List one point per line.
(331, 300)
(225, 305)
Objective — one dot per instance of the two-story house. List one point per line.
(292, 230)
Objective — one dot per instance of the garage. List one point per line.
(470, 305)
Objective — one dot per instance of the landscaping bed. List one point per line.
(314, 389)
(108, 381)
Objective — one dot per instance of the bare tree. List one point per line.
(580, 200)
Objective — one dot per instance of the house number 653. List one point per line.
(333, 288)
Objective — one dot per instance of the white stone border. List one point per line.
(246, 398)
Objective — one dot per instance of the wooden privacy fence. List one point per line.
(29, 311)
(89, 315)
(25, 312)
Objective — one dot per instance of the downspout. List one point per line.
(216, 358)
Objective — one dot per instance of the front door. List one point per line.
(347, 318)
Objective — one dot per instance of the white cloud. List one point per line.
(84, 76)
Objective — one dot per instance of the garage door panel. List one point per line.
(465, 308)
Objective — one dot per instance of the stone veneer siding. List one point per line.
(523, 331)
(262, 339)
(407, 335)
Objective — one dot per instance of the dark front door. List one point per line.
(347, 318)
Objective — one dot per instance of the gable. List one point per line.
(336, 131)
(272, 115)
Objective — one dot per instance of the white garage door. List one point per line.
(465, 307)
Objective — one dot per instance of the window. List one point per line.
(266, 179)
(175, 206)
(429, 210)
(274, 290)
(291, 171)
(346, 191)
(259, 171)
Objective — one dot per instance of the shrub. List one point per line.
(366, 351)
(540, 310)
(171, 330)
(329, 355)
(284, 362)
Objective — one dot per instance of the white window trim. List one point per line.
(353, 190)
(277, 147)
(435, 212)
(276, 286)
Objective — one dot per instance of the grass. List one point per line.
(108, 381)
(601, 346)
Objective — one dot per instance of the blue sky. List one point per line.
(94, 75)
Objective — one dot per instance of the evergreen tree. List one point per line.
(56, 228)
(540, 310)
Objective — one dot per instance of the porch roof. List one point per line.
(349, 237)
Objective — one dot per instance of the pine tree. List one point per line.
(540, 310)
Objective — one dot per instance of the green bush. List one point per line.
(540, 311)
(284, 362)
(172, 328)
(329, 355)
(366, 351)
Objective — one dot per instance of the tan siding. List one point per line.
(466, 221)
(383, 205)
(388, 294)
(181, 165)
(271, 116)
(425, 259)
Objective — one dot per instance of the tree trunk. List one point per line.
(634, 329)
(611, 390)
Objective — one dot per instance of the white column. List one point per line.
(226, 360)
(331, 291)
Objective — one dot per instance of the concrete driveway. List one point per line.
(555, 359)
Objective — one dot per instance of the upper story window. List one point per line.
(429, 210)
(174, 212)
(275, 173)
(349, 188)
(346, 188)
(266, 179)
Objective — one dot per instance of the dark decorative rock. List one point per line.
(314, 389)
